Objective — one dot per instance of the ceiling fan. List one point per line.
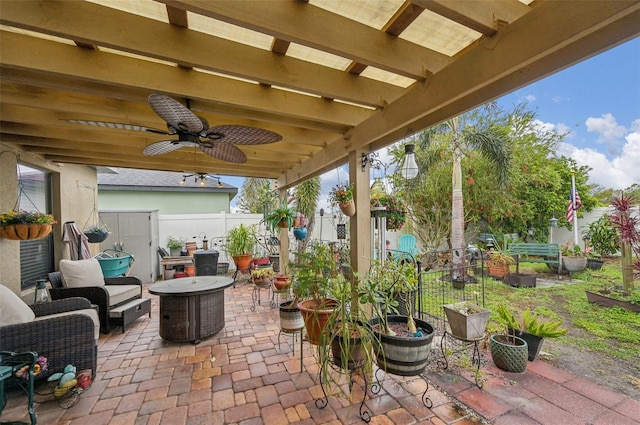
(218, 142)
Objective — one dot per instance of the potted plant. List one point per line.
(467, 320)
(402, 343)
(498, 263)
(240, 243)
(299, 227)
(262, 275)
(351, 337)
(312, 272)
(342, 196)
(175, 245)
(603, 241)
(96, 233)
(394, 210)
(530, 327)
(281, 217)
(24, 225)
(573, 259)
(509, 352)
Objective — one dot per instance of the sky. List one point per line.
(596, 103)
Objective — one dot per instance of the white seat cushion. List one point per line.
(121, 293)
(81, 273)
(13, 310)
(87, 312)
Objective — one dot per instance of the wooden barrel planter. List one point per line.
(399, 355)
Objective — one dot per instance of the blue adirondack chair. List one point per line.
(406, 244)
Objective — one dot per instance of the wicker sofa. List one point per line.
(60, 332)
(116, 292)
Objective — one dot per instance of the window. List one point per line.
(36, 256)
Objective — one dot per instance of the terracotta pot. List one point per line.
(283, 224)
(22, 232)
(243, 262)
(497, 271)
(315, 320)
(281, 282)
(348, 208)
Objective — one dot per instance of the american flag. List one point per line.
(571, 207)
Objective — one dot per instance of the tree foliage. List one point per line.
(511, 197)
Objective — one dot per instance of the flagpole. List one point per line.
(573, 205)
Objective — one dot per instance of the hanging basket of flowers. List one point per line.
(396, 211)
(342, 196)
(25, 225)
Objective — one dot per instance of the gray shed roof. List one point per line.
(161, 181)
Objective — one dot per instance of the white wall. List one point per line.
(216, 226)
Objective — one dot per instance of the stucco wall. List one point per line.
(72, 201)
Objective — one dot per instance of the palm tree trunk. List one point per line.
(457, 219)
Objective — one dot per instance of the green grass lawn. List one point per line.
(612, 331)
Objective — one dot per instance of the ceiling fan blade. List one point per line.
(161, 147)
(224, 152)
(175, 114)
(117, 125)
(242, 135)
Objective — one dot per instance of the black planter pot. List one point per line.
(96, 237)
(534, 342)
(347, 353)
(594, 263)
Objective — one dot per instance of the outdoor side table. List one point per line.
(191, 308)
(10, 363)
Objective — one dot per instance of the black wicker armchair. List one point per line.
(63, 340)
(98, 295)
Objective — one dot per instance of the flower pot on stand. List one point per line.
(402, 355)
(290, 317)
(509, 353)
(242, 262)
(315, 320)
(348, 208)
(467, 320)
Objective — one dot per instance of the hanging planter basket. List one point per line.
(348, 208)
(23, 232)
(96, 237)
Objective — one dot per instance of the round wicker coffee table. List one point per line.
(191, 308)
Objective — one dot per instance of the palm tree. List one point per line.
(306, 198)
(485, 133)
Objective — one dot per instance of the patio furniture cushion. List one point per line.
(121, 293)
(81, 273)
(13, 310)
(86, 312)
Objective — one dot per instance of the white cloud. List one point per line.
(619, 173)
(530, 98)
(609, 131)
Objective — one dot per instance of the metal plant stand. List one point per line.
(321, 403)
(376, 386)
(255, 294)
(475, 357)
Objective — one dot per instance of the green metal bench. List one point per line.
(548, 253)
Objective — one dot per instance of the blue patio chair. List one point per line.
(406, 244)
